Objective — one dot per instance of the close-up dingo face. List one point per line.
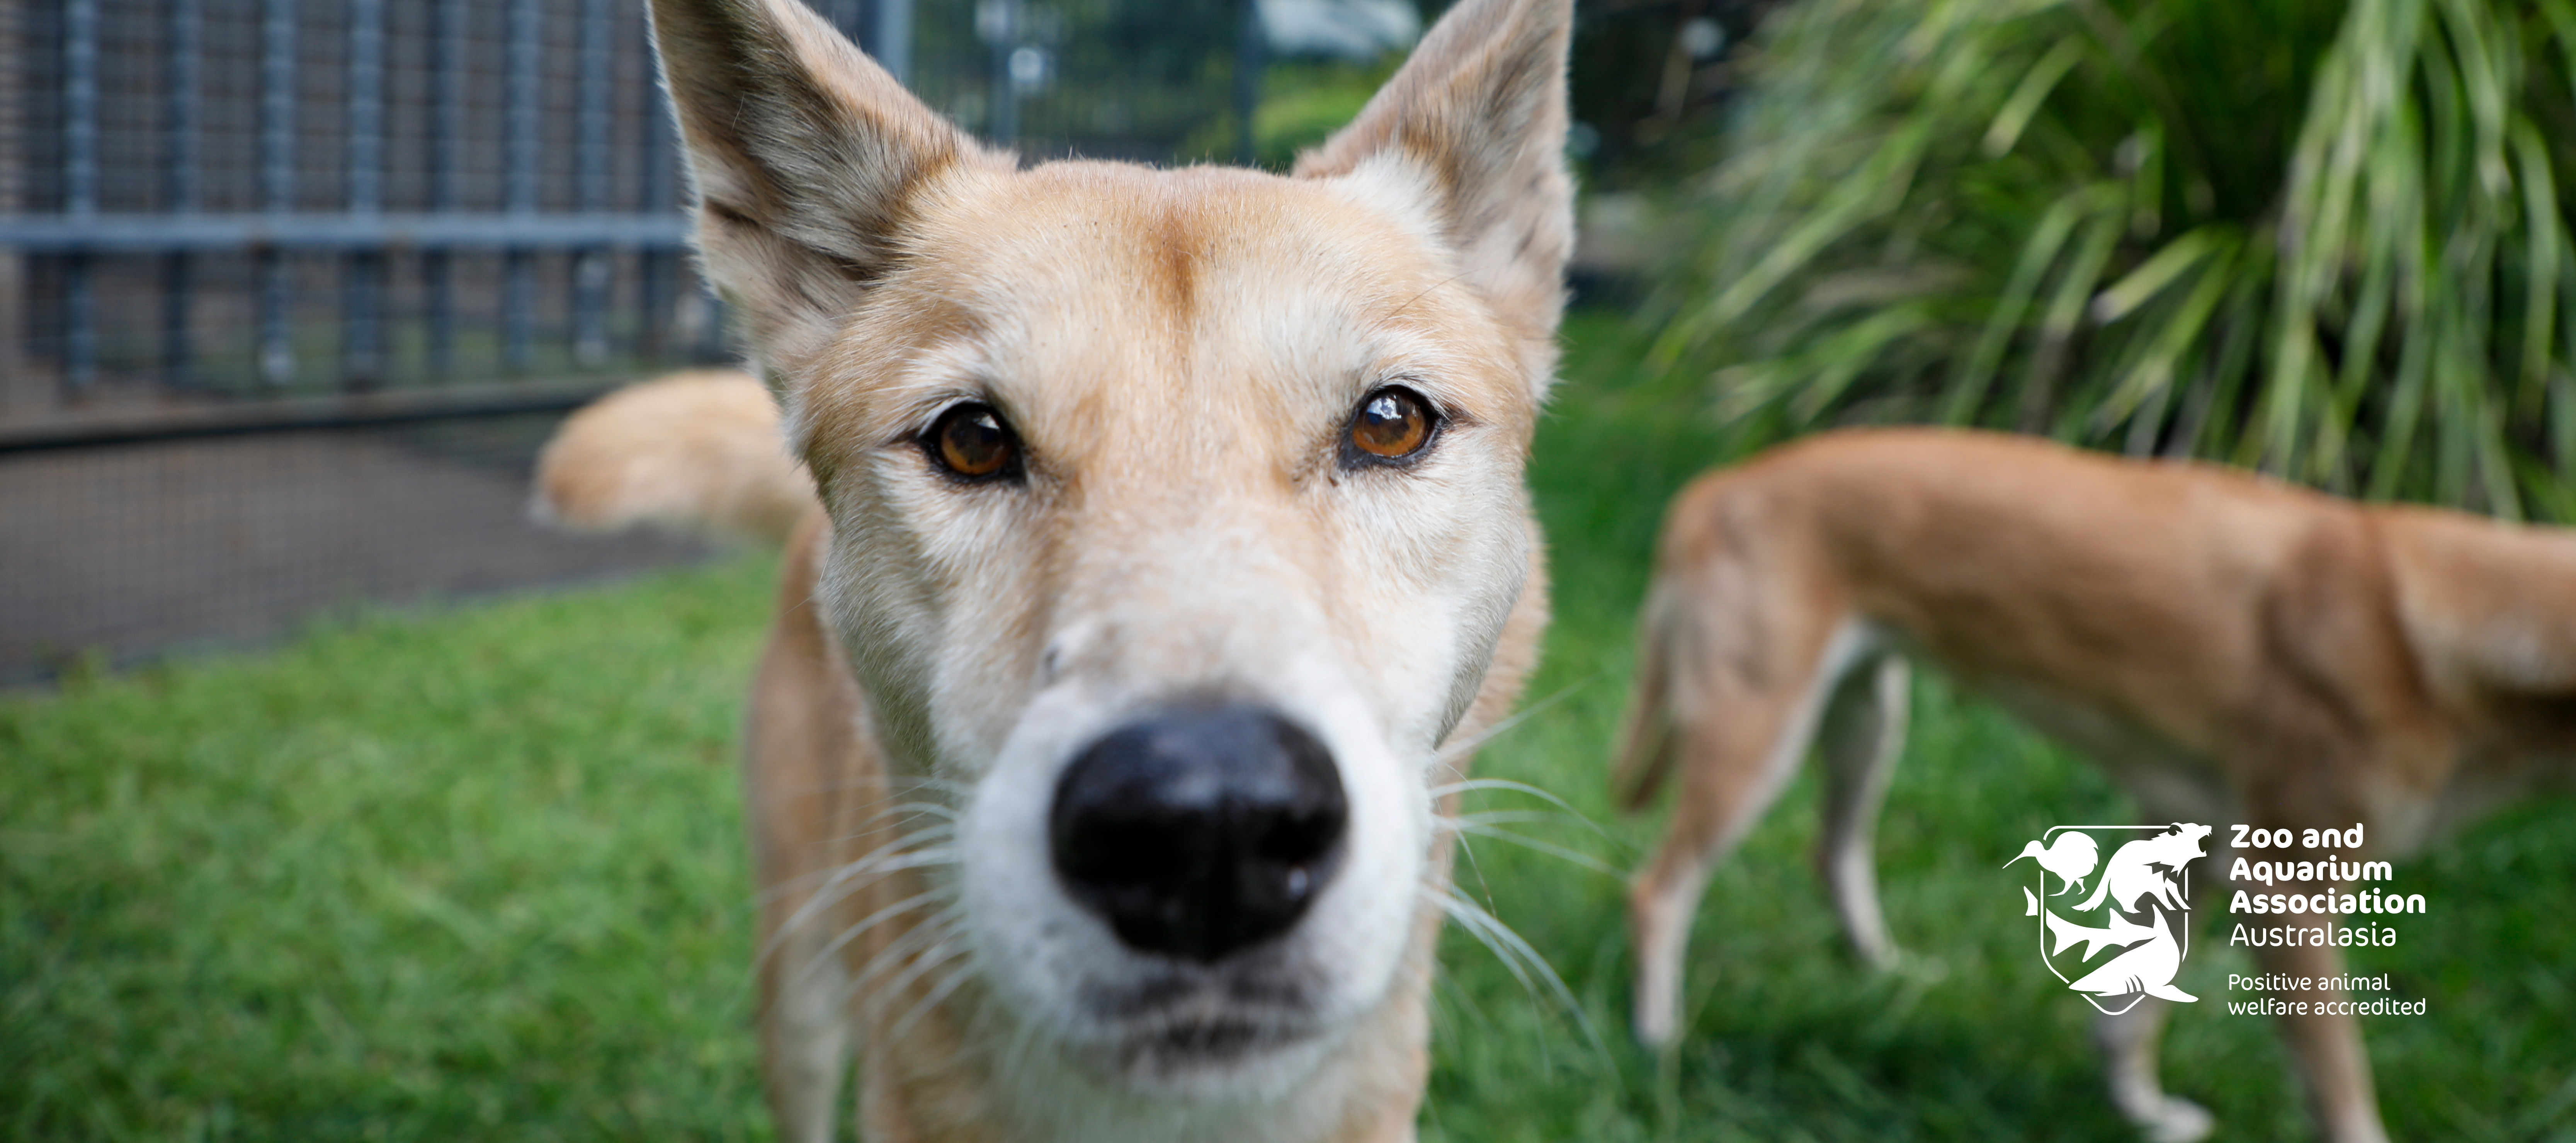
(1180, 513)
(1178, 518)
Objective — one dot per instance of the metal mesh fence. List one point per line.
(242, 197)
(290, 289)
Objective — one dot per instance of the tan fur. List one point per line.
(689, 452)
(1179, 352)
(2228, 648)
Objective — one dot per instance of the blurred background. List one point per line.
(314, 823)
(290, 288)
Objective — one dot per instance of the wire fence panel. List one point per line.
(229, 198)
(265, 265)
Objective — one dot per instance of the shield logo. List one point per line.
(2138, 911)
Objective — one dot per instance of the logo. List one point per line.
(2142, 901)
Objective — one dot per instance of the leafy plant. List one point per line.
(2328, 239)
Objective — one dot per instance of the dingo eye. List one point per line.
(971, 441)
(1391, 424)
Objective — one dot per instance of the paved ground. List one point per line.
(135, 551)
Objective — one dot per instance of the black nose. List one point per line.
(1199, 831)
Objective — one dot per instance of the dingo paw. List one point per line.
(2176, 1120)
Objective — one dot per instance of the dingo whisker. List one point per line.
(915, 963)
(845, 880)
(940, 927)
(1540, 793)
(1515, 817)
(1576, 857)
(946, 952)
(831, 874)
(1451, 752)
(910, 829)
(1518, 957)
(842, 939)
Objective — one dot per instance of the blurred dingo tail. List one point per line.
(698, 453)
(1652, 741)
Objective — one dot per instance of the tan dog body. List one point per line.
(1179, 363)
(689, 453)
(2230, 650)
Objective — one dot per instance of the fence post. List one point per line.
(15, 381)
(187, 26)
(277, 173)
(998, 22)
(526, 90)
(363, 301)
(1252, 48)
(655, 296)
(80, 185)
(591, 267)
(446, 141)
(894, 39)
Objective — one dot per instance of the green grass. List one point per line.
(445, 877)
(478, 875)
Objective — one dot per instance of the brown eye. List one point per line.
(1392, 424)
(971, 441)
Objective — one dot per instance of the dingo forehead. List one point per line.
(1094, 300)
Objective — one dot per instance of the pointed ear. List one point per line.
(1479, 113)
(803, 157)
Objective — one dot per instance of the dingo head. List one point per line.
(1178, 513)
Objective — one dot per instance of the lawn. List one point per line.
(478, 874)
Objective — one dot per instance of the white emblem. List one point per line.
(2143, 897)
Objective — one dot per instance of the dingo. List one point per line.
(1173, 547)
(2230, 649)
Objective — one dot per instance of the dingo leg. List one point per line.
(2128, 1042)
(800, 769)
(1862, 737)
(1735, 759)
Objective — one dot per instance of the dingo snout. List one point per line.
(1197, 833)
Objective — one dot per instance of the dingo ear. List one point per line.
(1479, 112)
(802, 155)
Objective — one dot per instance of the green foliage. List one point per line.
(2327, 239)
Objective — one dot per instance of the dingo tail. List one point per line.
(698, 453)
(1652, 741)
